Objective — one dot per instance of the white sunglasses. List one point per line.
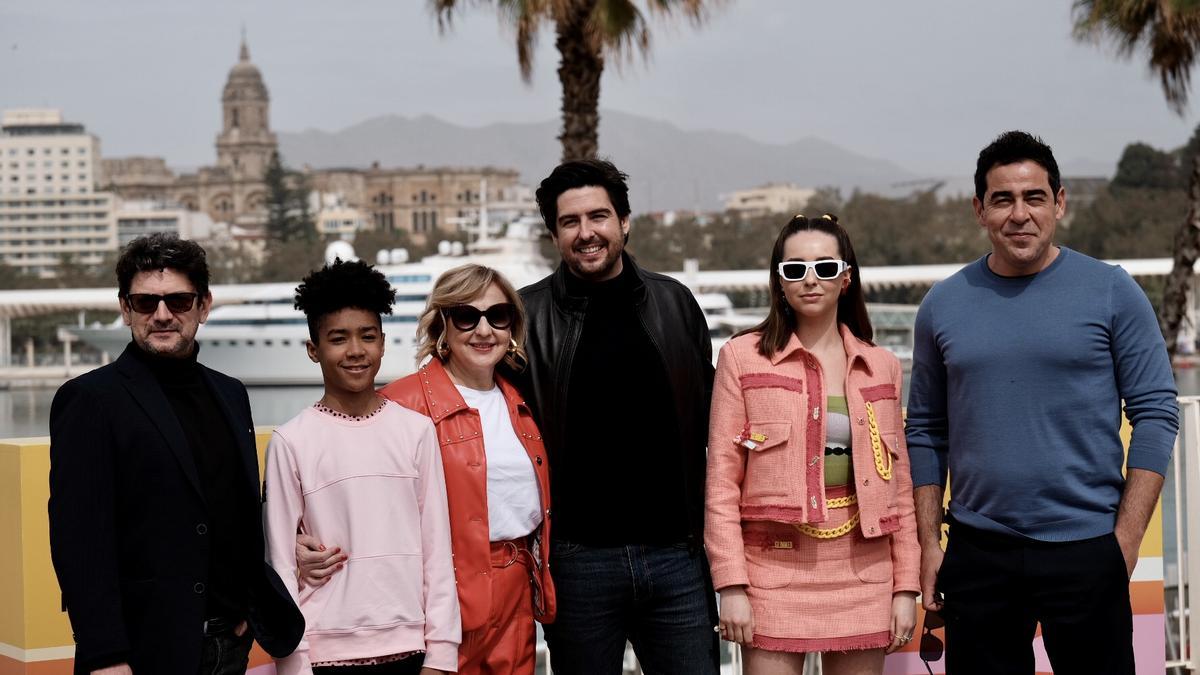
(797, 270)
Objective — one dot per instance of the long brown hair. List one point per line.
(780, 323)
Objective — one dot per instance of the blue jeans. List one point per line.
(659, 598)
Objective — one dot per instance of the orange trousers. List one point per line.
(506, 645)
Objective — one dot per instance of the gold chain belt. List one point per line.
(833, 532)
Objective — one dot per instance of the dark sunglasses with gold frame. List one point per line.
(466, 317)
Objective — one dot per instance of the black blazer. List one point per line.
(127, 523)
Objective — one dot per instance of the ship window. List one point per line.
(249, 343)
(233, 343)
(285, 343)
(268, 343)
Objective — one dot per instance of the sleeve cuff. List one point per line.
(727, 577)
(441, 655)
(105, 661)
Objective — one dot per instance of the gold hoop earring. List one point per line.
(512, 346)
(443, 349)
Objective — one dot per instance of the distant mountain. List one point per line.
(669, 168)
(1080, 167)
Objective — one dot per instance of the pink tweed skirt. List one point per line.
(818, 595)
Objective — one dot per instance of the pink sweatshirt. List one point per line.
(375, 488)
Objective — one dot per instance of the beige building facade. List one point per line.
(420, 201)
(769, 199)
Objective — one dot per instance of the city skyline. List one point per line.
(926, 96)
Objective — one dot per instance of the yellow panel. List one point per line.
(262, 436)
(12, 617)
(46, 625)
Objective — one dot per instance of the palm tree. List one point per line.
(1170, 31)
(586, 33)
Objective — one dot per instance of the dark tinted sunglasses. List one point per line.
(466, 317)
(932, 646)
(147, 303)
(796, 270)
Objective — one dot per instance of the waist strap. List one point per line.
(510, 552)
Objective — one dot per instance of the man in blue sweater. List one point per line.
(1021, 363)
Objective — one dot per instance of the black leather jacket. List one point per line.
(676, 326)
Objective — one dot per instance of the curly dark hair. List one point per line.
(340, 285)
(162, 250)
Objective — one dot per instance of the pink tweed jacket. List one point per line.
(766, 448)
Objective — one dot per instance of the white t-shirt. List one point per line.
(514, 507)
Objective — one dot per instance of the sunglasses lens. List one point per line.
(827, 269)
(793, 271)
(147, 303)
(143, 303)
(180, 302)
(931, 647)
(500, 316)
(464, 317)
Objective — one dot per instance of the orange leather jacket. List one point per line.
(430, 392)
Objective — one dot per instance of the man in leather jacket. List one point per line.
(620, 377)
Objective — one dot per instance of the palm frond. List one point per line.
(1168, 29)
(619, 28)
(526, 17)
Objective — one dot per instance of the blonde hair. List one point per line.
(461, 286)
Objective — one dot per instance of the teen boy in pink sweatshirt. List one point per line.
(364, 474)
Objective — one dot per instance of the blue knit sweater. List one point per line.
(1017, 387)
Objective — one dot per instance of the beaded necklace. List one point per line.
(321, 407)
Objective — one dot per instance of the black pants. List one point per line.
(998, 588)
(409, 666)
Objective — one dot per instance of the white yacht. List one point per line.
(261, 340)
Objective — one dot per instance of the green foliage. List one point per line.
(288, 217)
(369, 243)
(291, 260)
(1142, 166)
(232, 263)
(1127, 223)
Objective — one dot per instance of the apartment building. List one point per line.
(49, 207)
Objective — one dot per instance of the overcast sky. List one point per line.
(921, 83)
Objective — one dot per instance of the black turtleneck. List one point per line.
(620, 480)
(222, 479)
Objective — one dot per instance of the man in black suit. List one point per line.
(155, 517)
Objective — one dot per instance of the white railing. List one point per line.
(1183, 639)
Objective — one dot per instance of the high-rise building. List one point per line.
(49, 207)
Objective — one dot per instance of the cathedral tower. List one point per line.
(245, 143)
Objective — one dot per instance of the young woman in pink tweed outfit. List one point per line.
(809, 525)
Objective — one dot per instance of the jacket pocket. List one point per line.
(772, 567)
(767, 462)
(872, 559)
